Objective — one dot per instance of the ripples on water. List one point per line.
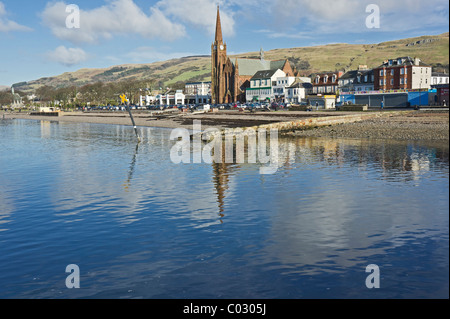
(140, 226)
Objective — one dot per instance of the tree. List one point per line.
(46, 93)
(5, 98)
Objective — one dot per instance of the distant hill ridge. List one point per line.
(433, 50)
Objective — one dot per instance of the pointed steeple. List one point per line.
(219, 38)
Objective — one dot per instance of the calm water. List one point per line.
(139, 226)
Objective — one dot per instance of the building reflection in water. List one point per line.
(395, 161)
(222, 173)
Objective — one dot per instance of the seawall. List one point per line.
(304, 124)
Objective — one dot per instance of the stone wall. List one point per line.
(306, 123)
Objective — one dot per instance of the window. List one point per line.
(381, 82)
(402, 71)
(381, 73)
(366, 78)
(406, 81)
(401, 81)
(392, 72)
(392, 81)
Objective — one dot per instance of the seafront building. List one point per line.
(297, 92)
(439, 78)
(262, 85)
(326, 83)
(360, 80)
(402, 73)
(198, 92)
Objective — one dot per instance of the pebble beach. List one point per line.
(410, 126)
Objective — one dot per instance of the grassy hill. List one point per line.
(433, 50)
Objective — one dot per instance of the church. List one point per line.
(231, 77)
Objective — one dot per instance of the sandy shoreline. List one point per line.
(410, 125)
(220, 120)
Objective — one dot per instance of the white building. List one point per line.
(279, 89)
(298, 91)
(421, 78)
(145, 100)
(262, 85)
(198, 92)
(171, 99)
(198, 88)
(439, 78)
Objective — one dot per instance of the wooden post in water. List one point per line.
(127, 105)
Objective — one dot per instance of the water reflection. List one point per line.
(395, 162)
(6, 208)
(333, 205)
(126, 185)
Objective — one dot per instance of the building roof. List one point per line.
(298, 84)
(329, 78)
(402, 61)
(248, 67)
(264, 74)
(439, 74)
(349, 75)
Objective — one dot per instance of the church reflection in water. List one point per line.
(222, 172)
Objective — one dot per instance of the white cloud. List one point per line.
(67, 56)
(199, 13)
(334, 16)
(8, 25)
(118, 17)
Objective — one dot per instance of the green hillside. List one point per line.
(433, 50)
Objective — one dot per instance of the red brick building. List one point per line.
(326, 83)
(402, 73)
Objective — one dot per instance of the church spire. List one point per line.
(219, 38)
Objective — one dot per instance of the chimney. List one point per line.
(416, 61)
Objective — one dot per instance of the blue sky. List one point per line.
(37, 43)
